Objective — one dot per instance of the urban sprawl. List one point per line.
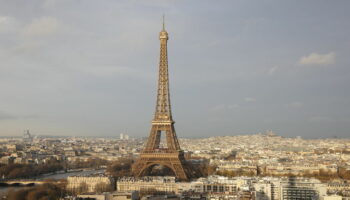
(259, 166)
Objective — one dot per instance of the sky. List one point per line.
(89, 68)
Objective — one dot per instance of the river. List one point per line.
(85, 172)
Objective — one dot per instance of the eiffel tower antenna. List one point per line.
(163, 23)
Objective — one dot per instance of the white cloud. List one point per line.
(272, 70)
(318, 59)
(42, 27)
(25, 47)
(48, 4)
(233, 106)
(296, 104)
(8, 24)
(249, 99)
(223, 107)
(217, 108)
(112, 70)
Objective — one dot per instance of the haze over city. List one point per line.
(89, 68)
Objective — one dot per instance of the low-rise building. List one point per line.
(90, 183)
(148, 185)
(301, 188)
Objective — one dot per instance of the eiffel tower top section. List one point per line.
(162, 115)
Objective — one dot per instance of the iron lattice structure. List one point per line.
(153, 154)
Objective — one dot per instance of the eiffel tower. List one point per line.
(153, 154)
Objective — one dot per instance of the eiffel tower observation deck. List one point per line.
(153, 154)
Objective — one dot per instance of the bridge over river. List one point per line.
(25, 182)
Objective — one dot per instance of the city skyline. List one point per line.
(85, 68)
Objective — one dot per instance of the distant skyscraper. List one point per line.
(27, 137)
(123, 136)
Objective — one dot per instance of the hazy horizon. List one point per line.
(117, 136)
(87, 68)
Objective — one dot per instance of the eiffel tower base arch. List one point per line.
(174, 161)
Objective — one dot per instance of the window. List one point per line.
(215, 188)
(208, 187)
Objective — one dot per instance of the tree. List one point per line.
(83, 187)
(202, 169)
(17, 195)
(103, 187)
(36, 194)
(344, 173)
(120, 168)
(14, 171)
(41, 192)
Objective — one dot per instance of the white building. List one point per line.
(90, 183)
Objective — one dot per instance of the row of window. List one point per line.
(215, 188)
